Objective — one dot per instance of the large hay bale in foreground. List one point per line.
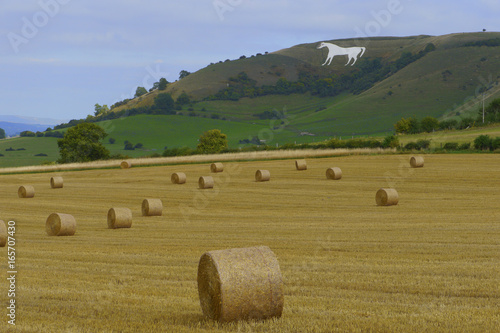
(206, 182)
(58, 224)
(152, 207)
(301, 165)
(240, 284)
(119, 218)
(126, 165)
(56, 182)
(178, 178)
(216, 167)
(262, 175)
(387, 197)
(3, 234)
(26, 191)
(417, 162)
(334, 173)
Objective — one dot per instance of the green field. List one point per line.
(429, 264)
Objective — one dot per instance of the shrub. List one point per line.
(451, 146)
(412, 146)
(424, 144)
(129, 146)
(464, 146)
(41, 154)
(482, 142)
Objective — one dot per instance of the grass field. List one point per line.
(429, 264)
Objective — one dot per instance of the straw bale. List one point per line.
(262, 175)
(126, 165)
(387, 197)
(119, 218)
(206, 182)
(56, 182)
(3, 234)
(417, 162)
(26, 191)
(334, 173)
(216, 167)
(301, 165)
(58, 224)
(152, 207)
(240, 284)
(178, 178)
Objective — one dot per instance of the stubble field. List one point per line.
(429, 264)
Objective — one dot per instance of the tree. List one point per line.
(212, 141)
(82, 143)
(162, 84)
(429, 124)
(183, 99)
(100, 109)
(183, 74)
(483, 142)
(164, 103)
(2, 133)
(140, 91)
(402, 126)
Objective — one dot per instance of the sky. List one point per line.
(58, 58)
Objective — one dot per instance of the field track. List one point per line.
(429, 264)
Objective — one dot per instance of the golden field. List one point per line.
(429, 264)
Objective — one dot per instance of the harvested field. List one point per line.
(429, 264)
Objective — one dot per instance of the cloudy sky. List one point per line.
(60, 57)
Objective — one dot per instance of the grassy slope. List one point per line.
(347, 265)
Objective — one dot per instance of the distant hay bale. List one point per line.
(152, 207)
(60, 225)
(178, 178)
(301, 165)
(26, 191)
(240, 284)
(262, 175)
(3, 234)
(334, 173)
(387, 197)
(119, 218)
(216, 167)
(56, 182)
(126, 165)
(206, 182)
(417, 162)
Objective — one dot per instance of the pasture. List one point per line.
(429, 264)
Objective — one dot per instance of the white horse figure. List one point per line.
(334, 50)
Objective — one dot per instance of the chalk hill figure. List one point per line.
(334, 50)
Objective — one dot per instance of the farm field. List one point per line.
(429, 264)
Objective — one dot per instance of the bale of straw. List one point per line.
(387, 197)
(417, 162)
(60, 225)
(56, 182)
(216, 167)
(334, 173)
(26, 191)
(206, 182)
(119, 218)
(126, 165)
(240, 284)
(262, 175)
(3, 234)
(152, 207)
(301, 165)
(178, 178)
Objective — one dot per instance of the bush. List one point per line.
(464, 146)
(111, 140)
(424, 144)
(28, 133)
(412, 146)
(41, 154)
(129, 146)
(451, 146)
(138, 146)
(482, 142)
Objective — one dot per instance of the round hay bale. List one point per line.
(152, 207)
(3, 234)
(119, 218)
(334, 173)
(417, 162)
(262, 175)
(216, 167)
(240, 284)
(301, 165)
(178, 178)
(206, 182)
(26, 191)
(56, 182)
(387, 197)
(126, 165)
(60, 225)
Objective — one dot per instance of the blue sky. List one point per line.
(60, 57)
